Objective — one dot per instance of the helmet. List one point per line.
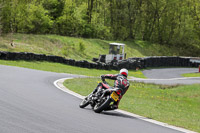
(124, 72)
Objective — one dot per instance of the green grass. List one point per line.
(191, 75)
(69, 47)
(175, 105)
(62, 68)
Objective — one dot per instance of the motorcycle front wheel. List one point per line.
(99, 107)
(85, 102)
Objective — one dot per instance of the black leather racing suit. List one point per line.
(121, 85)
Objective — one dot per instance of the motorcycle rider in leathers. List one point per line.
(121, 85)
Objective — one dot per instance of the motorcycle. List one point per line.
(102, 99)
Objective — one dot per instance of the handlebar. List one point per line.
(102, 78)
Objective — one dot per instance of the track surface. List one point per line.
(30, 103)
(169, 76)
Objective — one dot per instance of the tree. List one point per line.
(89, 10)
(54, 8)
(66, 23)
(168, 22)
(0, 17)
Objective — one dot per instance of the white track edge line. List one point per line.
(59, 84)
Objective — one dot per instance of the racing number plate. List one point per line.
(115, 96)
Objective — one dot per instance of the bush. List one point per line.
(65, 50)
(81, 47)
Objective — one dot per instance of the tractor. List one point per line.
(116, 53)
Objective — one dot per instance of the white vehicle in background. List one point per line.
(116, 53)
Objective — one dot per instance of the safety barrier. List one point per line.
(131, 63)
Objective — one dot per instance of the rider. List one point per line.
(121, 85)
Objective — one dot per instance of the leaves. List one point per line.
(167, 22)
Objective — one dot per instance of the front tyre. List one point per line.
(99, 107)
(85, 102)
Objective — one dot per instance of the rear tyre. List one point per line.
(99, 107)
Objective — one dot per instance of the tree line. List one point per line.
(166, 22)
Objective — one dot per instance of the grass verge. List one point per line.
(175, 105)
(191, 75)
(62, 68)
(81, 48)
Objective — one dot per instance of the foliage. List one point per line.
(81, 47)
(167, 22)
(19, 16)
(68, 47)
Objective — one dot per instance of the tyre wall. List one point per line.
(131, 63)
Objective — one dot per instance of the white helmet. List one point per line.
(124, 72)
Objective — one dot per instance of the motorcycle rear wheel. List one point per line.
(98, 108)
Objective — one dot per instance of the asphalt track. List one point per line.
(169, 76)
(30, 103)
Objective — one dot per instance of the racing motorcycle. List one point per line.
(102, 99)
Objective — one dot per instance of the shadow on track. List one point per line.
(117, 114)
(113, 113)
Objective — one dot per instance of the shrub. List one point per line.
(81, 47)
